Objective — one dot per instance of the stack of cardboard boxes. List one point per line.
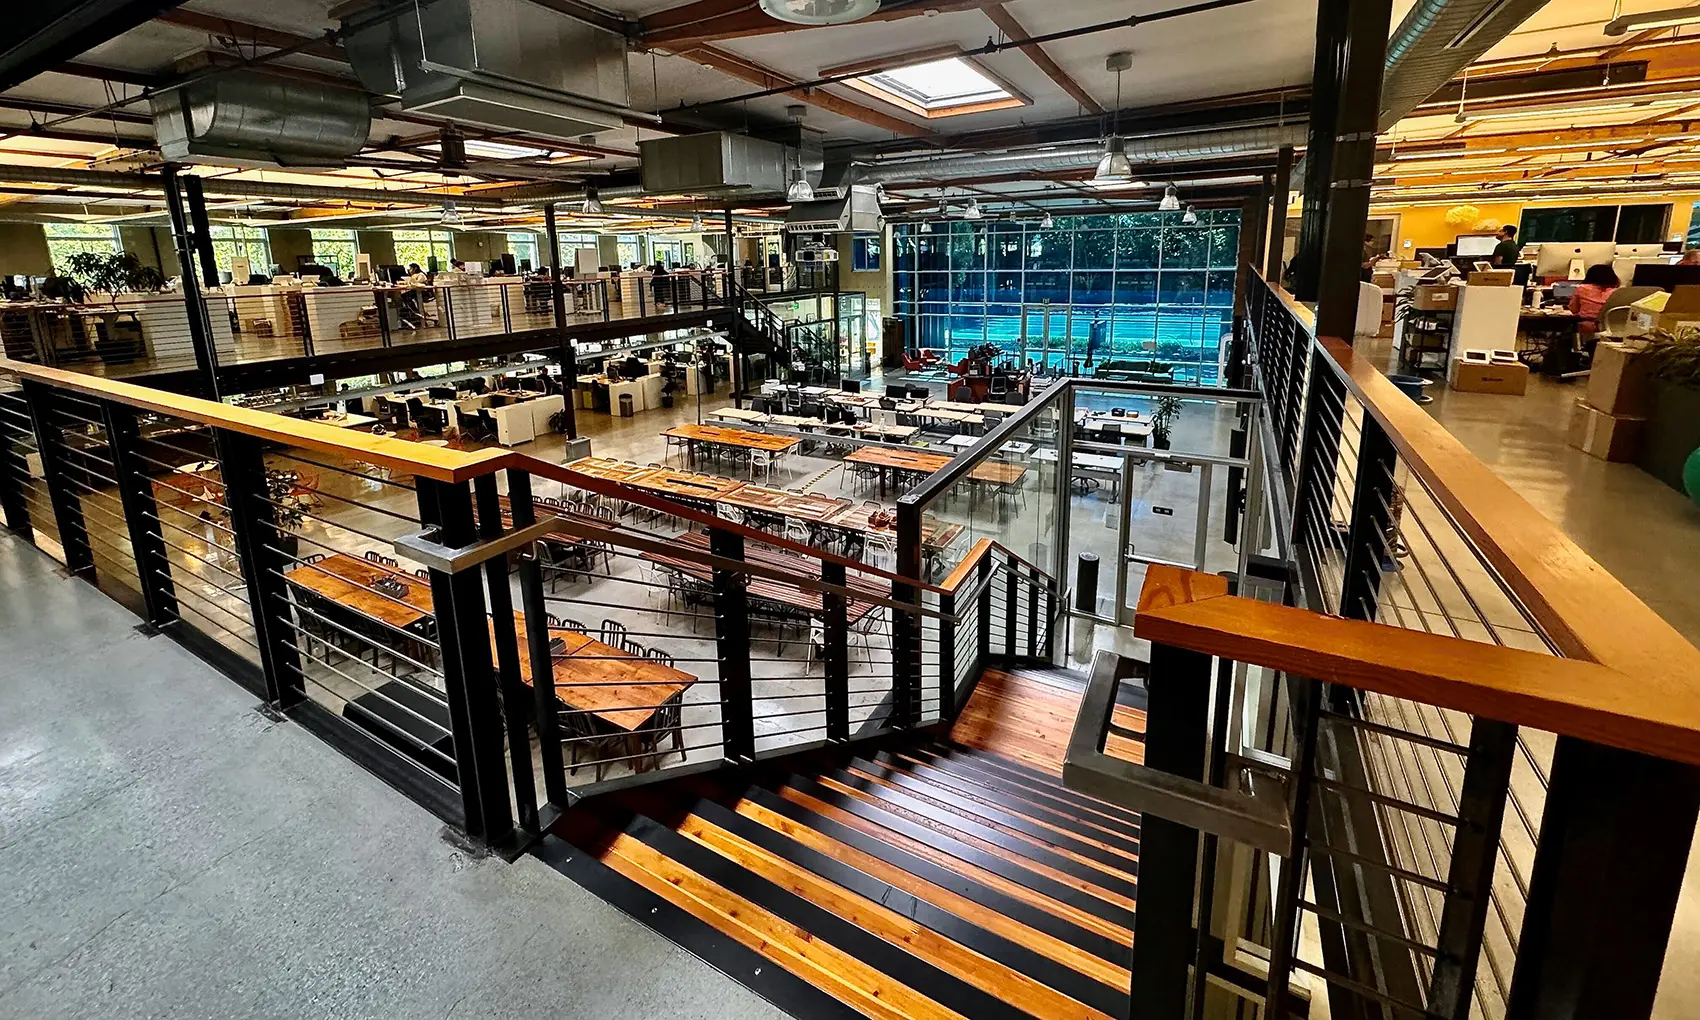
(1607, 421)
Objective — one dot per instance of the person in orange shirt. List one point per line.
(1589, 296)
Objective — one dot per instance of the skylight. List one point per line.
(938, 88)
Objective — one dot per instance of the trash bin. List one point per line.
(626, 405)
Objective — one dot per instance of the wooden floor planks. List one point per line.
(1029, 720)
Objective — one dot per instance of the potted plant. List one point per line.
(286, 510)
(120, 332)
(1673, 427)
(1163, 416)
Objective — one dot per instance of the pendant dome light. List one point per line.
(819, 12)
(1115, 167)
(972, 210)
(592, 203)
(1047, 222)
(1190, 218)
(1171, 200)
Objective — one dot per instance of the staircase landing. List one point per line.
(928, 879)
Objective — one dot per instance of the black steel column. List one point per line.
(1469, 880)
(1615, 836)
(905, 625)
(197, 203)
(983, 577)
(1325, 81)
(947, 649)
(732, 645)
(1033, 588)
(545, 707)
(1367, 541)
(1353, 169)
(194, 306)
(463, 633)
(14, 466)
(254, 530)
(67, 505)
(141, 513)
(1011, 603)
(731, 265)
(569, 354)
(514, 694)
(836, 638)
(1175, 742)
(1283, 187)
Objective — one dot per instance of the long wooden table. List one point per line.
(809, 507)
(721, 435)
(610, 470)
(344, 579)
(886, 459)
(765, 589)
(689, 485)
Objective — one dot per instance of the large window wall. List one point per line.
(336, 249)
(67, 239)
(1124, 287)
(422, 246)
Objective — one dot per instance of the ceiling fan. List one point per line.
(819, 12)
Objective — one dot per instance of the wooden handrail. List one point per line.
(979, 551)
(1654, 714)
(434, 462)
(1586, 612)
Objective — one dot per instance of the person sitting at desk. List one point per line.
(413, 302)
(1590, 296)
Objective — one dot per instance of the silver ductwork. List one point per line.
(1160, 149)
(715, 163)
(217, 187)
(505, 64)
(857, 212)
(1437, 40)
(250, 119)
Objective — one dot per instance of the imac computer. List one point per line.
(1570, 260)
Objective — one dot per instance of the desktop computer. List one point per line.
(1570, 260)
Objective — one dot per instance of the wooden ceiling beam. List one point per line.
(709, 20)
(116, 75)
(1013, 30)
(242, 31)
(761, 77)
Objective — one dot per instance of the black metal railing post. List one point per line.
(14, 466)
(947, 646)
(1011, 606)
(906, 625)
(1305, 698)
(545, 708)
(141, 513)
(732, 647)
(1319, 451)
(507, 314)
(381, 299)
(67, 505)
(502, 630)
(1368, 542)
(1469, 878)
(836, 638)
(1177, 711)
(1034, 586)
(463, 633)
(983, 578)
(446, 302)
(607, 309)
(254, 531)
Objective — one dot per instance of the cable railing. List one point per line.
(1422, 743)
(495, 635)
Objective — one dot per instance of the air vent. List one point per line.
(858, 213)
(250, 119)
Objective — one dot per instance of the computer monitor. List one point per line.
(392, 273)
(525, 265)
(1640, 251)
(898, 392)
(508, 264)
(850, 385)
(1666, 277)
(1569, 260)
(1476, 245)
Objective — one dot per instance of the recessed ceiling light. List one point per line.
(819, 12)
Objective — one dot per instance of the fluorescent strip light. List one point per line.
(1670, 17)
(1453, 154)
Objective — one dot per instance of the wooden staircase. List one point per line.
(931, 878)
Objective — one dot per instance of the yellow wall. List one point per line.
(1425, 226)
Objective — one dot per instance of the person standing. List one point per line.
(1507, 251)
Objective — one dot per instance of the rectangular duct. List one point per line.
(251, 119)
(502, 64)
(713, 163)
(856, 213)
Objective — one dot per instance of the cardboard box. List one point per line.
(1488, 377)
(1602, 435)
(1680, 311)
(1620, 382)
(1492, 278)
(1431, 298)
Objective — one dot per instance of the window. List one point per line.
(1628, 224)
(422, 246)
(231, 242)
(1642, 224)
(939, 88)
(865, 254)
(67, 239)
(523, 247)
(336, 249)
(631, 252)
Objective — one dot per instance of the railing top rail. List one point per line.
(1658, 715)
(1585, 611)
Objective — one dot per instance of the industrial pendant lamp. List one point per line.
(592, 202)
(1171, 200)
(819, 12)
(926, 226)
(801, 190)
(1190, 218)
(1047, 222)
(1115, 167)
(973, 211)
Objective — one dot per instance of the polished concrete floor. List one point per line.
(168, 851)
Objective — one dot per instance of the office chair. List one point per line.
(415, 408)
(488, 420)
(1614, 314)
(431, 421)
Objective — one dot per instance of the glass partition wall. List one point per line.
(1142, 296)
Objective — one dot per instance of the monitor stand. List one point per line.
(1577, 269)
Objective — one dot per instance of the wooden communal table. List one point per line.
(699, 490)
(998, 472)
(805, 600)
(809, 507)
(610, 470)
(898, 462)
(934, 536)
(618, 688)
(771, 446)
(344, 579)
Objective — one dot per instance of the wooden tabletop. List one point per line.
(889, 431)
(617, 687)
(804, 506)
(998, 472)
(808, 600)
(860, 518)
(612, 470)
(689, 484)
(344, 579)
(739, 414)
(723, 436)
(906, 460)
